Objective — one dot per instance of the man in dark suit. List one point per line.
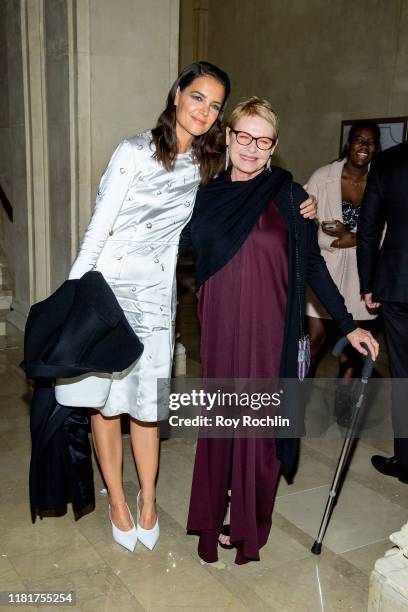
(384, 281)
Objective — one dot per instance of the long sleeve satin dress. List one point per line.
(132, 240)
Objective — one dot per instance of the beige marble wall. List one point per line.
(318, 62)
(76, 77)
(133, 47)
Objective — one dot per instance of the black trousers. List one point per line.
(396, 331)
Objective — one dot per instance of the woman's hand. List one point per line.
(368, 299)
(339, 230)
(358, 336)
(308, 208)
(347, 241)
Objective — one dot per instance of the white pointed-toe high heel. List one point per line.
(128, 538)
(148, 537)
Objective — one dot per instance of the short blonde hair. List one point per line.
(255, 106)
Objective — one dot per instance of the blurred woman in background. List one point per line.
(339, 188)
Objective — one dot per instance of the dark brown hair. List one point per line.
(209, 148)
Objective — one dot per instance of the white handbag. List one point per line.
(85, 391)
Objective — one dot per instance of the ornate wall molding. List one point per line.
(200, 19)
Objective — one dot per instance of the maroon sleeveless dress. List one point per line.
(242, 314)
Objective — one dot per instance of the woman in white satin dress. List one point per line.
(146, 196)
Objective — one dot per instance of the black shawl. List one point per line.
(224, 215)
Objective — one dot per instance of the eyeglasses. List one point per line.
(370, 142)
(262, 142)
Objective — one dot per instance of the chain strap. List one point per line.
(304, 340)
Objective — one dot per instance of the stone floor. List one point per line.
(61, 554)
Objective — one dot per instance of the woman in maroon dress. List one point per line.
(253, 253)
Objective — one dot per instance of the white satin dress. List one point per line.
(132, 238)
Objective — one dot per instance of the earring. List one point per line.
(227, 159)
(268, 164)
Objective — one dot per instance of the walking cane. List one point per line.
(345, 450)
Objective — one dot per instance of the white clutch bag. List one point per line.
(85, 391)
